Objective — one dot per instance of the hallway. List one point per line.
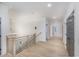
(53, 48)
(39, 18)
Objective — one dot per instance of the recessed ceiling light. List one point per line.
(54, 17)
(49, 5)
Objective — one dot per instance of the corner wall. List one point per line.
(5, 27)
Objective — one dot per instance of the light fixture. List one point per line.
(49, 5)
(54, 17)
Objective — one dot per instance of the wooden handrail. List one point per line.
(30, 36)
(16, 37)
(23, 36)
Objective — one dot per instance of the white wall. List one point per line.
(76, 29)
(41, 27)
(4, 27)
(25, 25)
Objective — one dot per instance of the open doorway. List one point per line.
(47, 35)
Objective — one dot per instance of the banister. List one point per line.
(38, 34)
(23, 36)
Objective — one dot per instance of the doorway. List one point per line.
(47, 32)
(70, 34)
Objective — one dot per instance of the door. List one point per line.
(47, 35)
(70, 35)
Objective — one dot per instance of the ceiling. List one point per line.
(57, 10)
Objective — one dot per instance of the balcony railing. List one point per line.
(17, 44)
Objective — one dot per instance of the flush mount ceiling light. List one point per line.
(49, 5)
(54, 17)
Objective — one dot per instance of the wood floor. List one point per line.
(54, 47)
